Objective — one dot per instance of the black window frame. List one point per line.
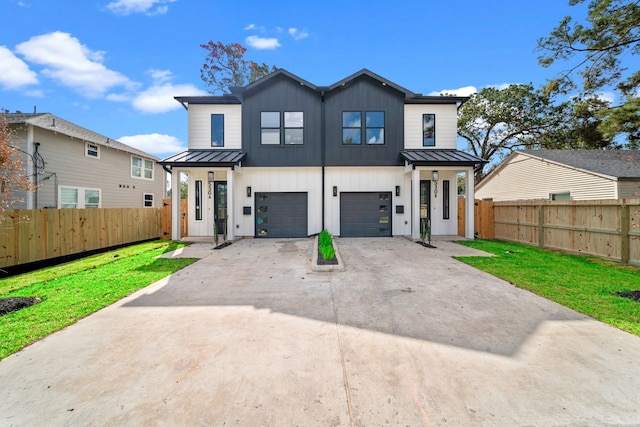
(363, 129)
(282, 129)
(198, 200)
(446, 202)
(214, 129)
(285, 127)
(424, 137)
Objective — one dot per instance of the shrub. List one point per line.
(324, 238)
(324, 245)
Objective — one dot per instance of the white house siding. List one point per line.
(200, 125)
(629, 189)
(67, 165)
(446, 125)
(367, 179)
(285, 179)
(526, 178)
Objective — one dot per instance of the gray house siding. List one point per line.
(282, 94)
(364, 94)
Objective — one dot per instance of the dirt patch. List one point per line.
(322, 261)
(9, 305)
(634, 295)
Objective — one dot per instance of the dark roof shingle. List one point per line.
(615, 163)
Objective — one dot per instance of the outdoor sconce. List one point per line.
(397, 190)
(211, 178)
(335, 191)
(434, 178)
(248, 191)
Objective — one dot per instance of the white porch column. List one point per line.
(231, 206)
(175, 205)
(470, 203)
(415, 204)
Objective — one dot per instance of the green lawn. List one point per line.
(71, 291)
(582, 283)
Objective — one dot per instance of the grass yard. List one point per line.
(585, 284)
(71, 291)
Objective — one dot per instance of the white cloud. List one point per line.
(159, 97)
(24, 4)
(463, 91)
(297, 34)
(14, 73)
(501, 86)
(72, 64)
(250, 27)
(155, 143)
(262, 42)
(607, 96)
(148, 7)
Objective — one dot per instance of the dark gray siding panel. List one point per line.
(282, 94)
(364, 94)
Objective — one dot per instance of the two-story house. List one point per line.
(74, 167)
(282, 157)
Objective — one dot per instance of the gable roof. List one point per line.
(368, 73)
(621, 164)
(56, 124)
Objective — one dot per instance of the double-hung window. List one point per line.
(217, 130)
(141, 168)
(147, 200)
(92, 150)
(78, 197)
(354, 128)
(428, 130)
(274, 125)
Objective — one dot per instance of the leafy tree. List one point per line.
(225, 67)
(13, 175)
(496, 121)
(598, 46)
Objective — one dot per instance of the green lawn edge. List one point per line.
(582, 283)
(74, 290)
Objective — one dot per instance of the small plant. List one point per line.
(325, 247)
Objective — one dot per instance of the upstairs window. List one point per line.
(354, 129)
(429, 130)
(92, 150)
(294, 127)
(217, 130)
(141, 168)
(270, 127)
(273, 126)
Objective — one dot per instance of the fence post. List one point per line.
(541, 225)
(624, 233)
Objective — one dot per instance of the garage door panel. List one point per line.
(281, 215)
(365, 214)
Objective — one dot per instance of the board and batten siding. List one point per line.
(67, 166)
(526, 178)
(446, 125)
(199, 119)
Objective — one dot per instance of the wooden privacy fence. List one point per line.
(39, 234)
(603, 228)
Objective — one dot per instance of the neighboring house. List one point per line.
(282, 157)
(74, 167)
(564, 175)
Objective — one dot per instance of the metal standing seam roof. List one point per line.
(205, 158)
(440, 157)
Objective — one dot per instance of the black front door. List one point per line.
(220, 207)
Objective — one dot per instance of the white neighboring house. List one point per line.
(74, 167)
(564, 175)
(282, 157)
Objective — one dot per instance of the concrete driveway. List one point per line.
(249, 336)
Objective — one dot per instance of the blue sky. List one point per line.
(114, 66)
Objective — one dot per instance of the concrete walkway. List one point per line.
(405, 336)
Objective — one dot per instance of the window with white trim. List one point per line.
(147, 200)
(92, 150)
(79, 197)
(428, 130)
(141, 168)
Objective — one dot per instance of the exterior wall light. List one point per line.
(335, 191)
(248, 191)
(397, 191)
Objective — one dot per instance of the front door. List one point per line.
(425, 211)
(220, 207)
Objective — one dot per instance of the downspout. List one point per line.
(35, 175)
(322, 149)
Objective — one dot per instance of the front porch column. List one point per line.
(175, 205)
(415, 204)
(231, 206)
(470, 204)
